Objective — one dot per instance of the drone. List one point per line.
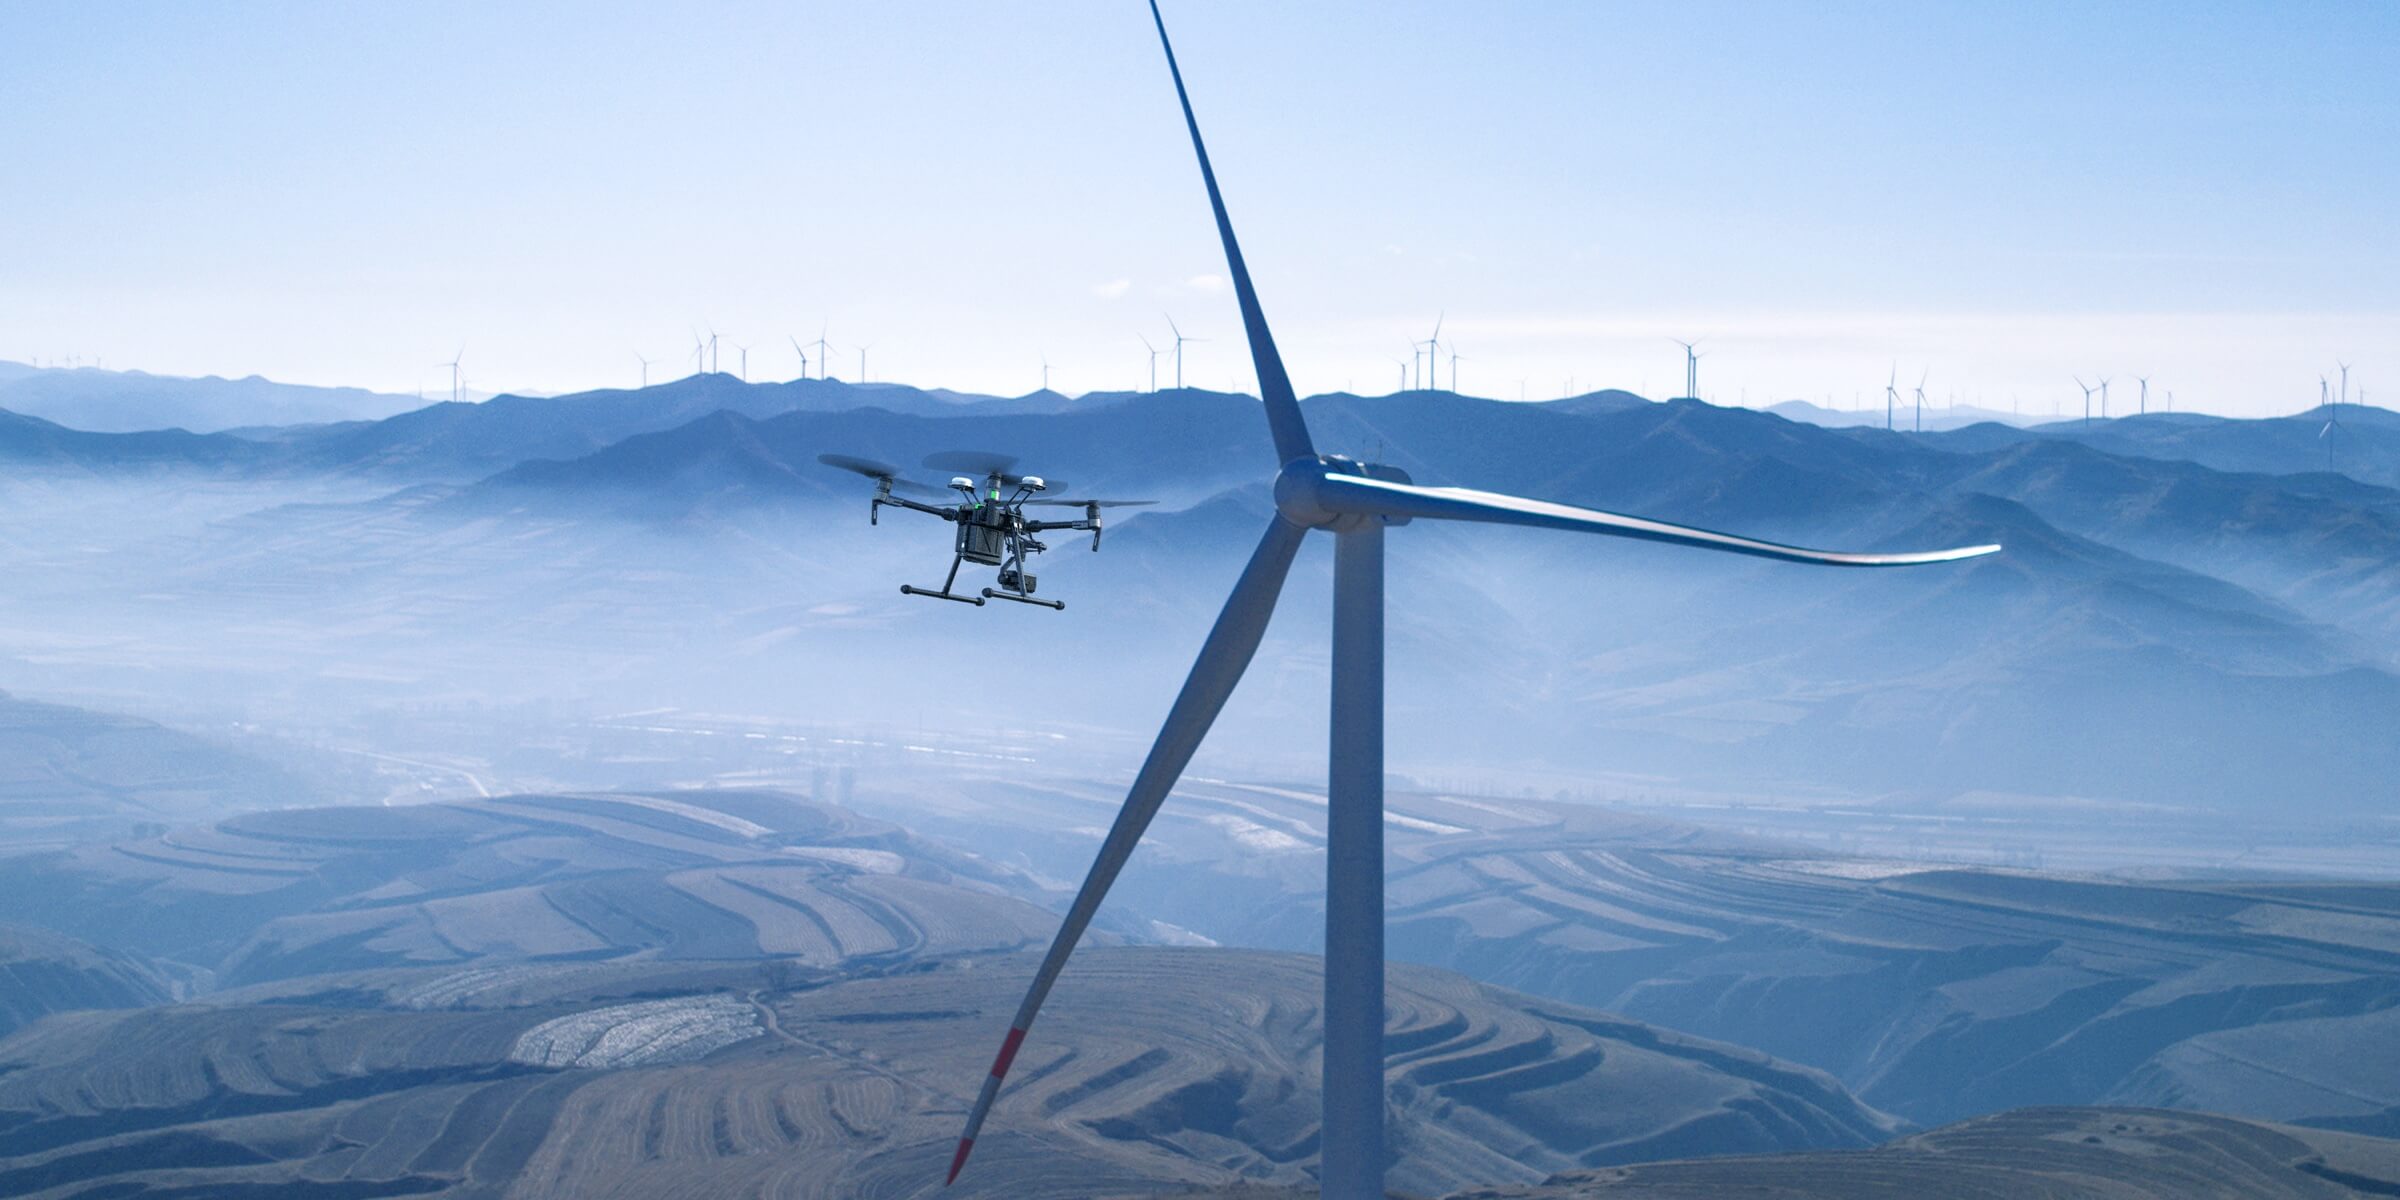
(993, 530)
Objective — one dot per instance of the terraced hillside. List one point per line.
(43, 973)
(2032, 1154)
(71, 776)
(1933, 992)
(1155, 1069)
(688, 875)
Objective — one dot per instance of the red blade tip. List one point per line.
(959, 1160)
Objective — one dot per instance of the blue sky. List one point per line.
(2000, 195)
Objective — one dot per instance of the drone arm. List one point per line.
(944, 511)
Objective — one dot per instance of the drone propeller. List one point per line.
(1094, 503)
(881, 472)
(972, 462)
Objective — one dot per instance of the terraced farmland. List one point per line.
(1157, 1069)
(1933, 992)
(703, 875)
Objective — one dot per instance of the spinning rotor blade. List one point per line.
(1222, 660)
(1094, 503)
(978, 463)
(1274, 387)
(1351, 493)
(860, 466)
(883, 472)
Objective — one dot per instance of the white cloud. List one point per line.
(1205, 283)
(1113, 289)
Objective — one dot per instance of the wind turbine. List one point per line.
(645, 368)
(1353, 501)
(1179, 341)
(1154, 353)
(802, 352)
(1691, 368)
(453, 365)
(1045, 372)
(824, 360)
(2087, 399)
(2345, 396)
(2144, 380)
(1891, 396)
(2103, 399)
(1403, 374)
(1454, 357)
(1921, 398)
(744, 351)
(1433, 354)
(862, 362)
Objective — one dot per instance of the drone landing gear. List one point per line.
(989, 594)
(946, 593)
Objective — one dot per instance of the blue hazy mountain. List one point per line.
(1901, 416)
(31, 443)
(2148, 610)
(101, 401)
(2350, 439)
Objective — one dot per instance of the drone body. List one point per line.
(992, 528)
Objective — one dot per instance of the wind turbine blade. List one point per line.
(1358, 494)
(1274, 386)
(1222, 660)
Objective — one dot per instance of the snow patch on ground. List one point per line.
(648, 1034)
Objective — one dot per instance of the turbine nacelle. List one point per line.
(1303, 499)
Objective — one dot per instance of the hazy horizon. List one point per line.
(1820, 196)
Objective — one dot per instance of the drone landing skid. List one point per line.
(907, 590)
(991, 594)
(945, 593)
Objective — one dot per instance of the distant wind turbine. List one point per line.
(862, 361)
(1045, 372)
(645, 368)
(1179, 341)
(1433, 354)
(2104, 399)
(2345, 396)
(824, 360)
(744, 351)
(2144, 380)
(1154, 353)
(1891, 396)
(2087, 399)
(1403, 385)
(1921, 399)
(453, 365)
(797, 348)
(1455, 356)
(1691, 367)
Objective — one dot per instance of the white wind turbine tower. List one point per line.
(1179, 341)
(455, 359)
(2087, 399)
(824, 360)
(1354, 502)
(1045, 371)
(699, 354)
(1455, 356)
(1154, 353)
(798, 349)
(645, 368)
(1691, 367)
(2345, 393)
(2104, 399)
(2144, 380)
(1921, 398)
(743, 373)
(1432, 375)
(1891, 396)
(1404, 366)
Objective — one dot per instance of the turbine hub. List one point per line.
(1301, 501)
